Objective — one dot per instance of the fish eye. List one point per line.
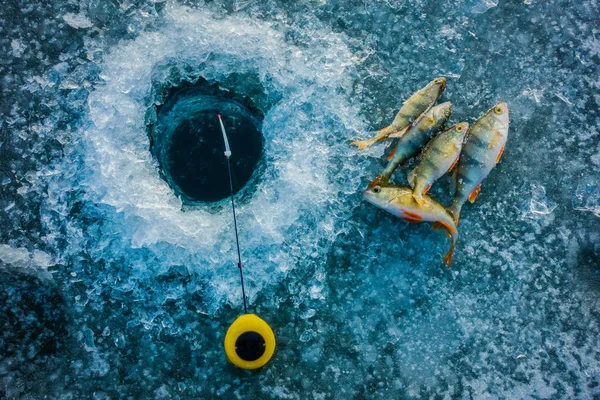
(376, 189)
(498, 110)
(439, 80)
(459, 128)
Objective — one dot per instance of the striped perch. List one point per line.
(415, 139)
(481, 152)
(439, 157)
(417, 104)
(399, 201)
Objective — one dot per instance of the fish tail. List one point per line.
(379, 136)
(448, 256)
(361, 144)
(453, 234)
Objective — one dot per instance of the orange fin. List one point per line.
(500, 154)
(427, 189)
(389, 158)
(475, 193)
(456, 217)
(449, 228)
(375, 182)
(420, 200)
(448, 256)
(413, 216)
(454, 164)
(411, 220)
(361, 144)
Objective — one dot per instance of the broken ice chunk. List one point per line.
(77, 21)
(587, 196)
(481, 6)
(539, 204)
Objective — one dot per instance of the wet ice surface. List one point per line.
(127, 296)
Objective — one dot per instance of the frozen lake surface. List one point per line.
(115, 284)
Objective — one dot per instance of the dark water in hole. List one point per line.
(188, 143)
(196, 157)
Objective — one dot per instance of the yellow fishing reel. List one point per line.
(249, 342)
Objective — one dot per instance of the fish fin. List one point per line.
(427, 189)
(419, 199)
(412, 216)
(437, 225)
(454, 164)
(474, 194)
(454, 181)
(389, 158)
(377, 181)
(456, 217)
(411, 220)
(500, 154)
(398, 134)
(449, 228)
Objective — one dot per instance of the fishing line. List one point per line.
(249, 342)
(237, 239)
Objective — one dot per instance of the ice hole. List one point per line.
(189, 147)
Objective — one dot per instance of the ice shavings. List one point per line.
(516, 315)
(23, 257)
(301, 131)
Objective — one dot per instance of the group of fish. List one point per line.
(472, 151)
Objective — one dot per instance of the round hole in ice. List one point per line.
(189, 146)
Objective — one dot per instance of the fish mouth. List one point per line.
(441, 81)
(369, 196)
